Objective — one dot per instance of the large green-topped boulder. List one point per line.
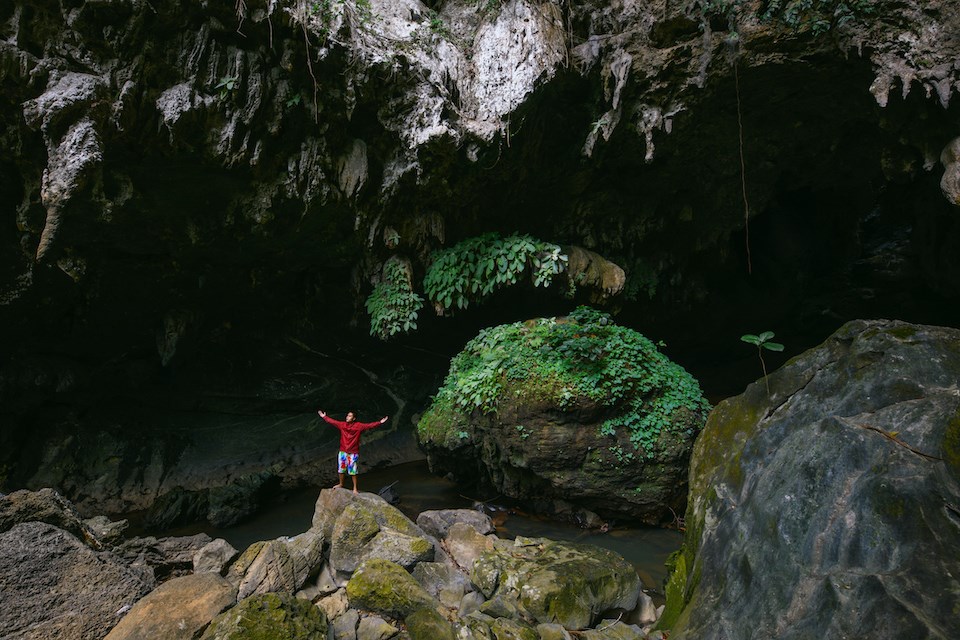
(364, 525)
(557, 582)
(830, 508)
(574, 409)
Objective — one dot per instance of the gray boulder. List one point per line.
(45, 505)
(107, 531)
(465, 544)
(54, 586)
(345, 625)
(438, 522)
(284, 564)
(163, 557)
(830, 507)
(509, 629)
(553, 631)
(614, 630)
(442, 581)
(335, 604)
(570, 584)
(333, 502)
(179, 609)
(475, 626)
(375, 628)
(214, 556)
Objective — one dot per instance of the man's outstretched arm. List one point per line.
(337, 423)
(371, 425)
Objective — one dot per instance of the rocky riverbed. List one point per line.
(362, 571)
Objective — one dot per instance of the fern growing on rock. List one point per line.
(473, 269)
(393, 306)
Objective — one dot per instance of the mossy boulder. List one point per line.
(385, 587)
(614, 630)
(828, 508)
(509, 629)
(365, 526)
(270, 616)
(428, 624)
(570, 409)
(556, 582)
(332, 503)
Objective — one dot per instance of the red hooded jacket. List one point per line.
(350, 433)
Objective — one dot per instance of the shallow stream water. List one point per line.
(645, 547)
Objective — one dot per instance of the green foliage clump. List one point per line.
(473, 269)
(437, 25)
(820, 16)
(227, 85)
(393, 306)
(563, 360)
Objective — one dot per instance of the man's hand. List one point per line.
(321, 413)
(384, 419)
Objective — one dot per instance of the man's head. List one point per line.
(350, 417)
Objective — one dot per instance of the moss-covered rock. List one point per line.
(558, 582)
(428, 624)
(385, 587)
(826, 507)
(509, 629)
(573, 408)
(270, 616)
(364, 526)
(332, 503)
(614, 630)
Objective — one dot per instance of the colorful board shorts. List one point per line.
(347, 463)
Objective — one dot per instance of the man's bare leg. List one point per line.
(354, 483)
(340, 484)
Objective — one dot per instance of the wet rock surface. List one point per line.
(829, 506)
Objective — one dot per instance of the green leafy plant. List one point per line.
(584, 357)
(762, 342)
(293, 100)
(473, 269)
(438, 26)
(393, 306)
(226, 86)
